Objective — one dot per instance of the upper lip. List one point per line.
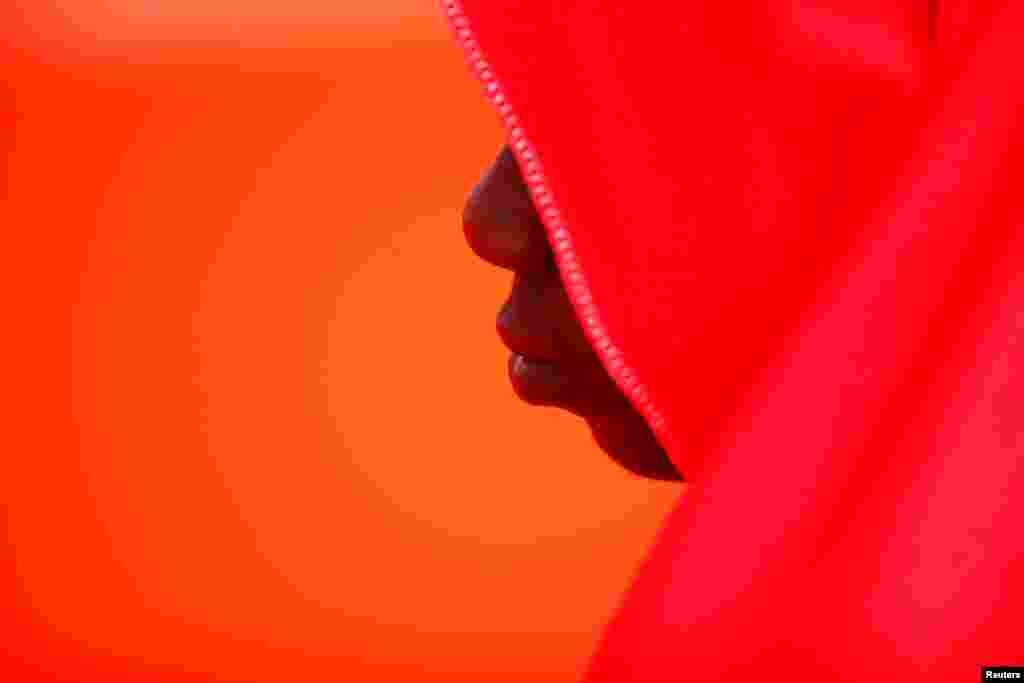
(524, 342)
(532, 353)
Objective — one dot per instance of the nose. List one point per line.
(500, 222)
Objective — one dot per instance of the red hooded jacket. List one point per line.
(792, 231)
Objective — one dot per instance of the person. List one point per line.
(552, 363)
(789, 235)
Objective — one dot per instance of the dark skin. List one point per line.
(552, 363)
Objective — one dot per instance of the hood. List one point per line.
(791, 233)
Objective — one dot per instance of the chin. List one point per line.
(630, 443)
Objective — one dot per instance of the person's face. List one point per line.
(552, 364)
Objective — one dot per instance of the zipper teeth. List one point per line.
(558, 234)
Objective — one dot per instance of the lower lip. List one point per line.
(537, 382)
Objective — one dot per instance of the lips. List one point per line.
(540, 369)
(539, 382)
(579, 385)
(523, 340)
(551, 363)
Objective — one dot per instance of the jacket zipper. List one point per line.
(558, 234)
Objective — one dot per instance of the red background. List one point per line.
(257, 423)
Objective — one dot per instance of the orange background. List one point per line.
(257, 426)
